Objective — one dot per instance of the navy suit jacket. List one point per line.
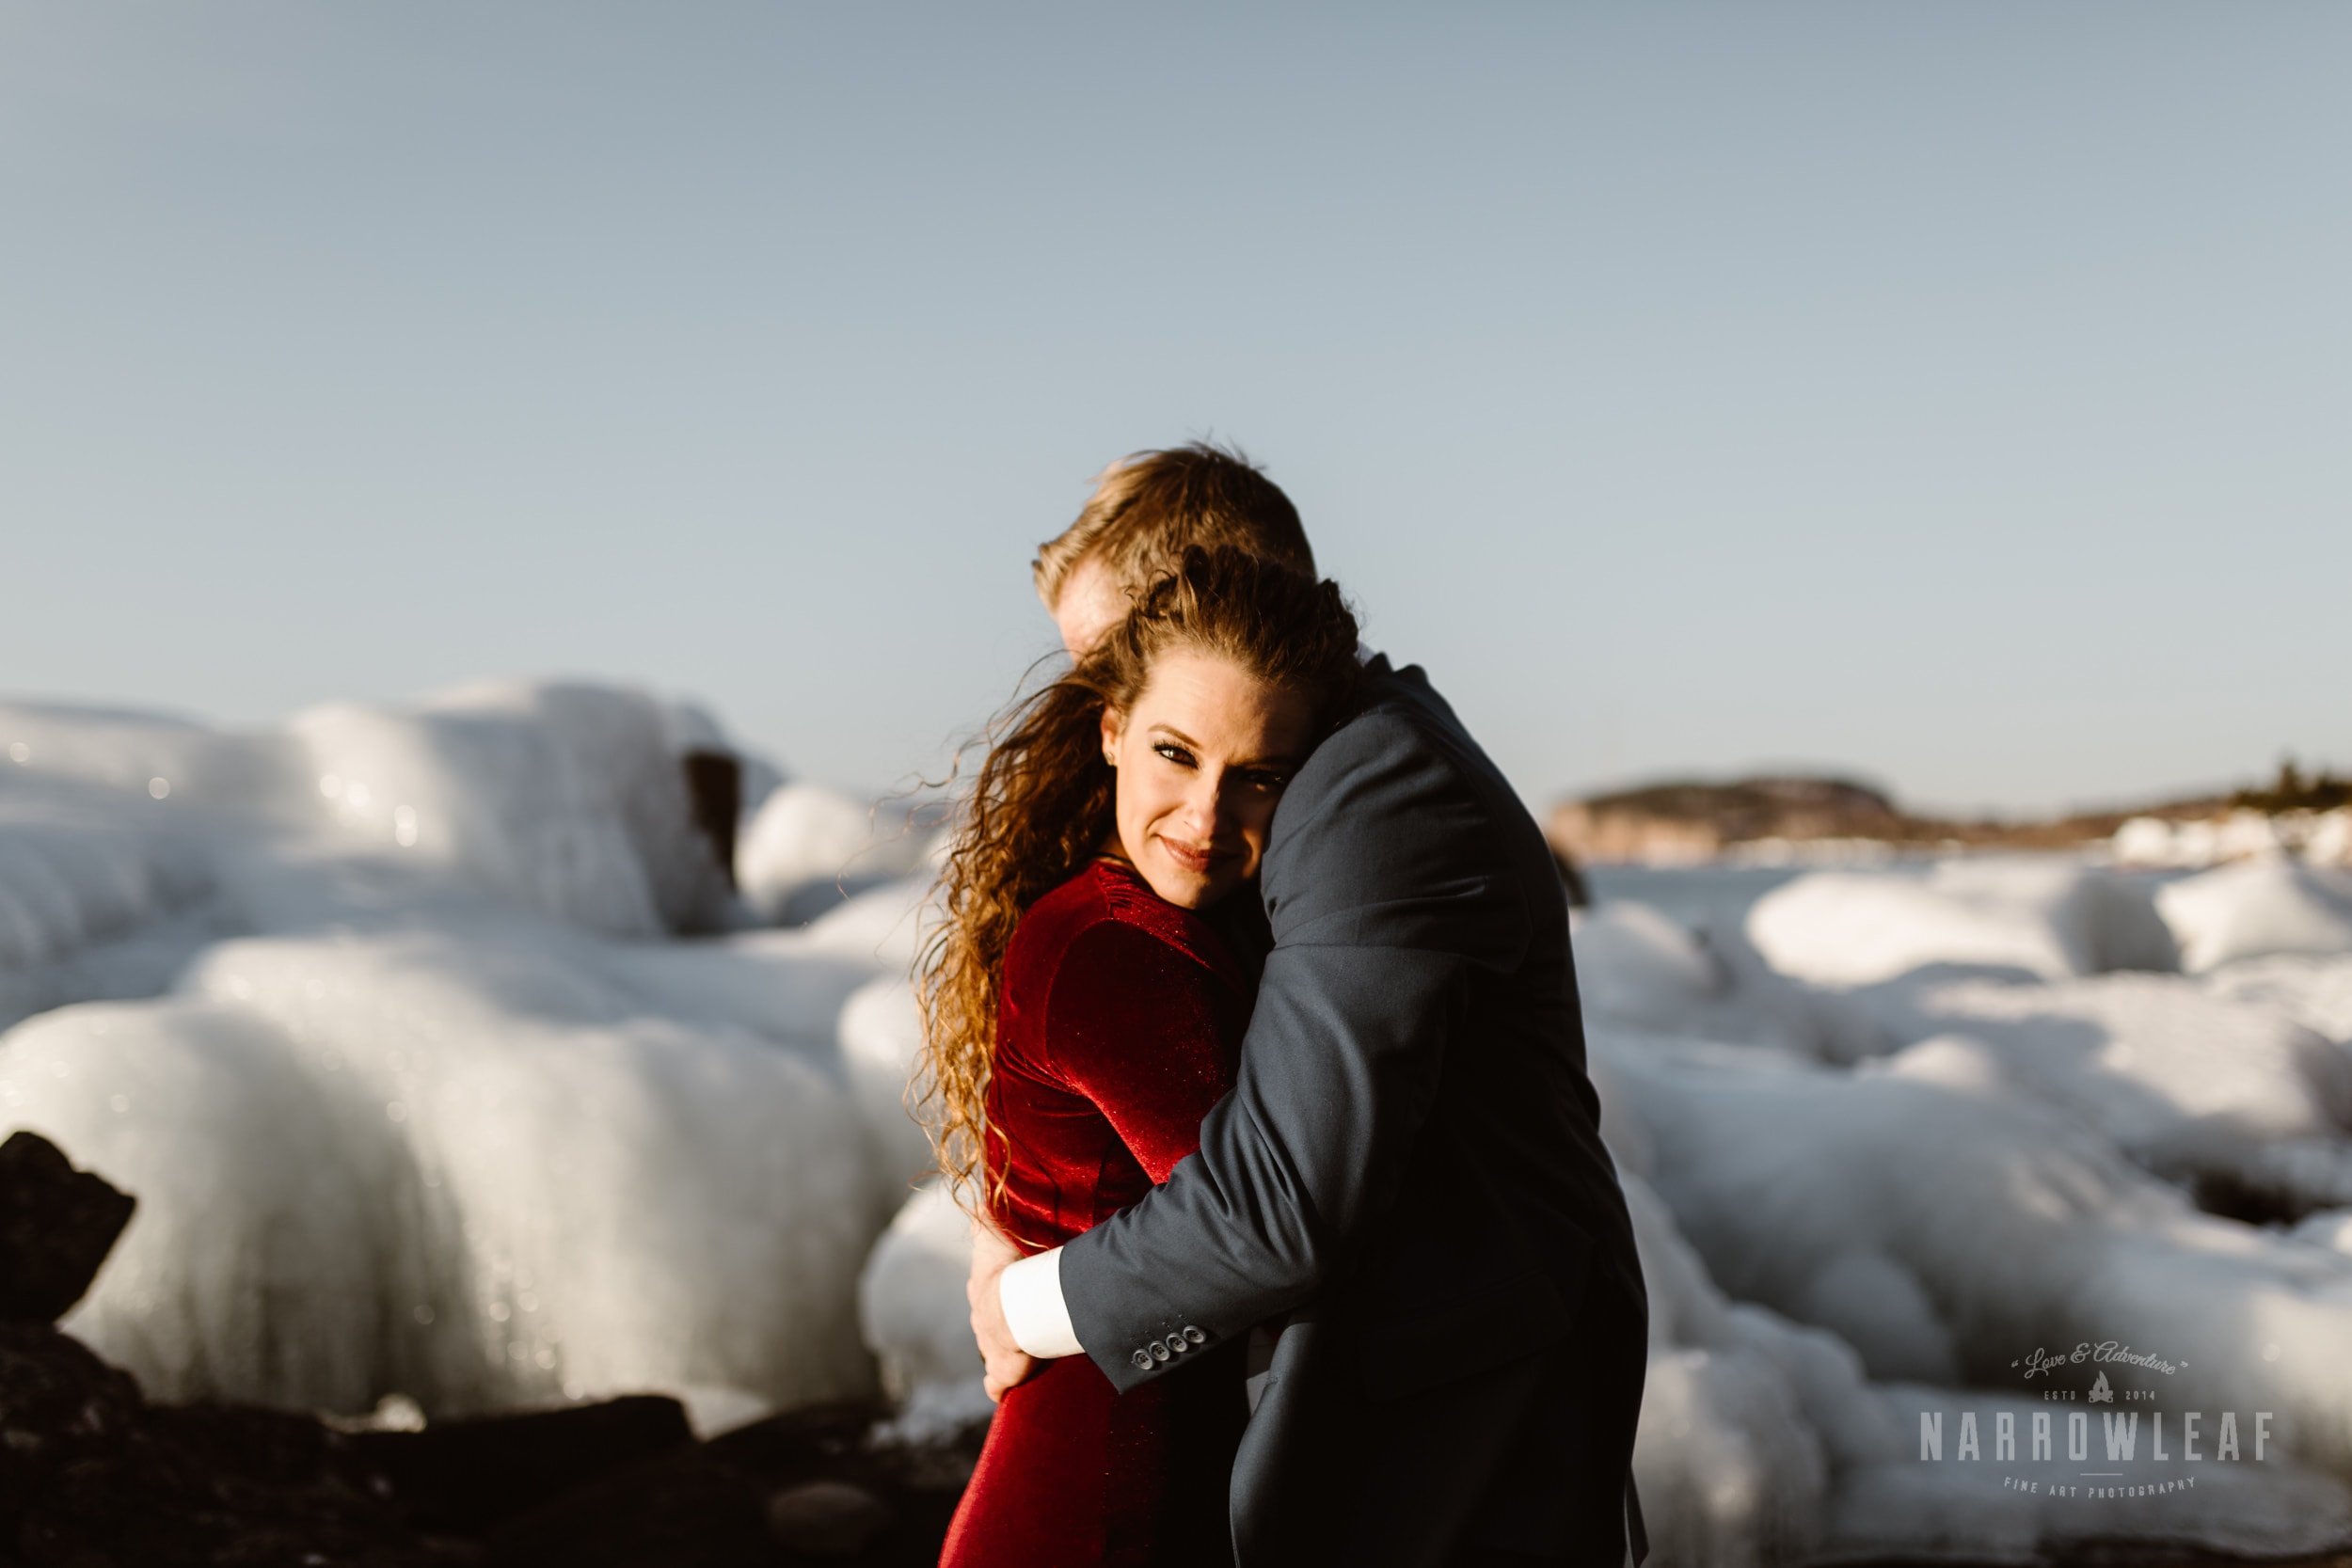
(1409, 1175)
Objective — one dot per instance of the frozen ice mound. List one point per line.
(95, 903)
(917, 1321)
(1736, 1448)
(1635, 962)
(808, 847)
(112, 830)
(2314, 989)
(2259, 909)
(98, 757)
(1944, 1227)
(567, 799)
(414, 1100)
(2040, 918)
(478, 1170)
(2190, 1083)
(882, 1031)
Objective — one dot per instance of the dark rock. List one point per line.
(2237, 1198)
(714, 1505)
(57, 1226)
(89, 1473)
(714, 791)
(686, 1508)
(468, 1475)
(92, 1476)
(827, 1518)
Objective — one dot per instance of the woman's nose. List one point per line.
(1203, 806)
(1219, 808)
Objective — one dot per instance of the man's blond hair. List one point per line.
(1152, 506)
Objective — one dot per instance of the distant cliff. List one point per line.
(1689, 821)
(1685, 821)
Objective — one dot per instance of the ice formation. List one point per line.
(911, 1302)
(567, 799)
(397, 1021)
(377, 1017)
(2258, 908)
(1868, 1185)
(808, 847)
(2045, 920)
(2321, 838)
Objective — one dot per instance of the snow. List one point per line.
(807, 848)
(2260, 907)
(2314, 989)
(480, 1173)
(2322, 838)
(1633, 962)
(912, 1307)
(880, 1033)
(567, 799)
(1893, 1130)
(441, 1113)
(2036, 917)
(1938, 1233)
(502, 1099)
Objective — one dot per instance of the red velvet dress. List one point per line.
(1119, 1028)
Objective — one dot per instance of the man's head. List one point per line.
(1146, 511)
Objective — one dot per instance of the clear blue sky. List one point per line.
(1960, 394)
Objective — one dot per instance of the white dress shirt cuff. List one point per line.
(1029, 1291)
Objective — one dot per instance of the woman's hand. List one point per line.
(1006, 1363)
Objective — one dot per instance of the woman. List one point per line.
(1084, 1005)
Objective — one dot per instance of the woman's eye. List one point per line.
(1174, 753)
(1258, 778)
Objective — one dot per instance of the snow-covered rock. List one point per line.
(1943, 1228)
(433, 1105)
(912, 1307)
(473, 1169)
(1635, 962)
(807, 848)
(413, 1095)
(2260, 908)
(2189, 1083)
(882, 1031)
(2321, 838)
(567, 799)
(2315, 990)
(2037, 917)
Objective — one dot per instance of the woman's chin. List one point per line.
(1186, 889)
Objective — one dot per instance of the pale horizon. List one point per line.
(1945, 398)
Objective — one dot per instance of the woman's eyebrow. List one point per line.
(1282, 760)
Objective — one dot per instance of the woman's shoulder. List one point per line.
(1101, 968)
(1104, 914)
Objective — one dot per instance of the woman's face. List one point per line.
(1201, 758)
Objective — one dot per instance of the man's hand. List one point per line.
(1008, 1363)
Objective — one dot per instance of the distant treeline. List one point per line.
(2294, 790)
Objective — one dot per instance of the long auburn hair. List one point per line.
(1041, 806)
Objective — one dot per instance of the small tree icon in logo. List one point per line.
(2101, 1393)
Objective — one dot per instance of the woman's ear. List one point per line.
(1114, 725)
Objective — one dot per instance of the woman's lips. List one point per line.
(1198, 861)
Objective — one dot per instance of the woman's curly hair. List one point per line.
(1042, 805)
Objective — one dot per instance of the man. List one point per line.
(1407, 1185)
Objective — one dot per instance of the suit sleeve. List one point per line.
(1387, 890)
